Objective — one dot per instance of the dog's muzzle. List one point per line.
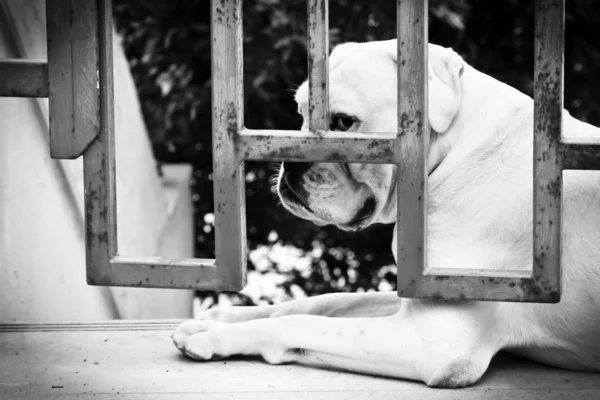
(290, 186)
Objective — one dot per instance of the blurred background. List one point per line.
(167, 45)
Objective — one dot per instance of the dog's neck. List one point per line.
(482, 166)
(473, 146)
(485, 168)
(486, 103)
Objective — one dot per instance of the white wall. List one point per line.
(42, 256)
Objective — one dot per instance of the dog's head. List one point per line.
(363, 98)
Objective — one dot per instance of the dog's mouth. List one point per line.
(363, 216)
(294, 196)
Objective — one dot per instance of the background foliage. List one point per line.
(168, 47)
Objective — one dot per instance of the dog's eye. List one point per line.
(341, 122)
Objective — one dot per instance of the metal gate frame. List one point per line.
(88, 128)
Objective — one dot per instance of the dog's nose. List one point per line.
(296, 168)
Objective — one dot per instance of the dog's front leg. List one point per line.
(441, 345)
(330, 305)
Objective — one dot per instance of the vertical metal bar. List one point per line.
(547, 166)
(72, 70)
(318, 70)
(99, 166)
(413, 140)
(227, 121)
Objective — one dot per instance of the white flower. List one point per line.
(209, 218)
(297, 292)
(252, 288)
(273, 236)
(260, 258)
(288, 258)
(261, 285)
(384, 286)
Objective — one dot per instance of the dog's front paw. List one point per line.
(200, 339)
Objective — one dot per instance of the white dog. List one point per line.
(480, 216)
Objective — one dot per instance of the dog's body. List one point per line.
(480, 216)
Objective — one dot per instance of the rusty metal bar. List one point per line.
(233, 144)
(318, 69)
(72, 72)
(99, 165)
(158, 272)
(304, 146)
(227, 121)
(542, 283)
(23, 78)
(413, 143)
(584, 156)
(547, 168)
(104, 265)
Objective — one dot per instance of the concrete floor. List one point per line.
(136, 360)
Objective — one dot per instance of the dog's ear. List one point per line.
(340, 52)
(445, 69)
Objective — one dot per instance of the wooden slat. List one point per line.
(93, 326)
(72, 71)
(547, 169)
(318, 71)
(413, 142)
(275, 145)
(99, 168)
(227, 121)
(137, 360)
(23, 78)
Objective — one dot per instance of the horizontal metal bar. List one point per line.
(165, 262)
(158, 272)
(23, 78)
(498, 273)
(483, 288)
(279, 145)
(584, 156)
